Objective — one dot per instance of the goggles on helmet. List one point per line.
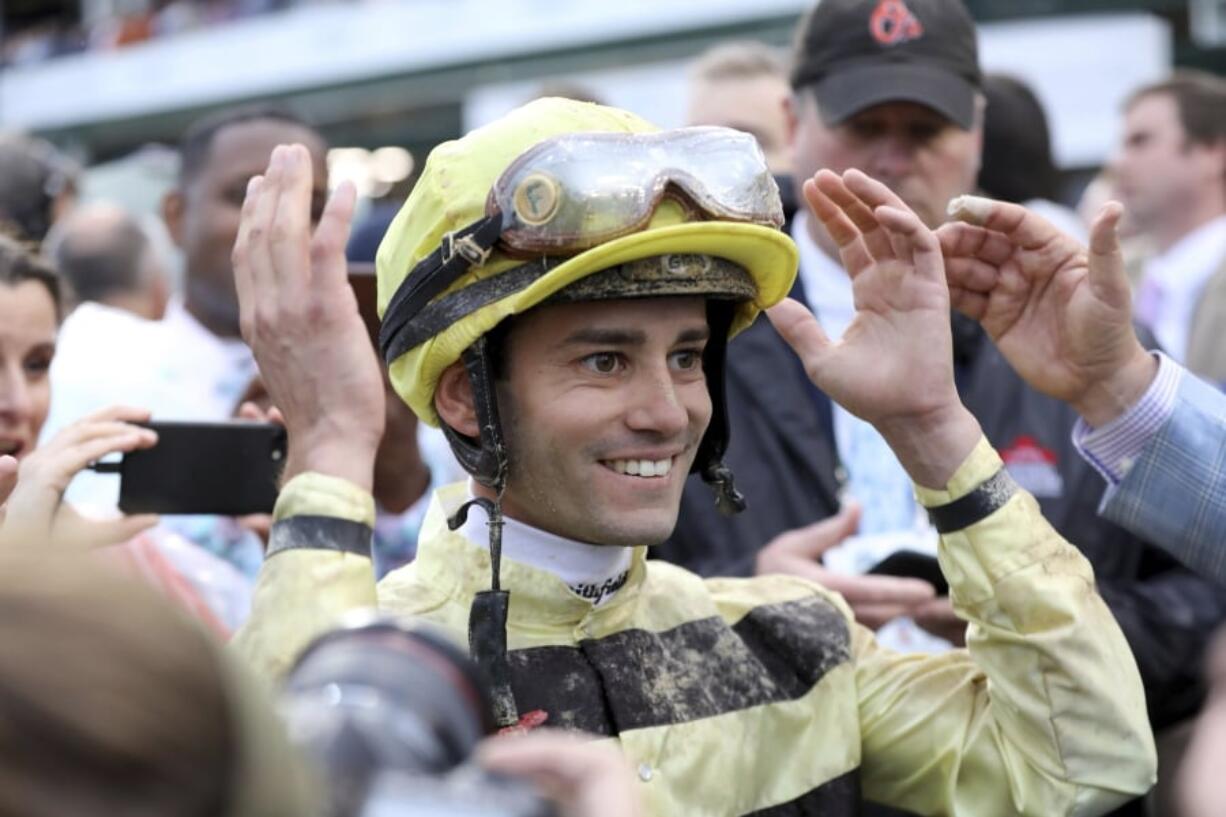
(573, 192)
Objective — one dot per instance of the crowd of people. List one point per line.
(821, 456)
(128, 22)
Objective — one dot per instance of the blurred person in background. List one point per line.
(38, 186)
(114, 703)
(191, 365)
(743, 85)
(1170, 172)
(1202, 787)
(1017, 163)
(894, 89)
(107, 258)
(30, 309)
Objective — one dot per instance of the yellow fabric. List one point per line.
(1042, 715)
(313, 493)
(452, 192)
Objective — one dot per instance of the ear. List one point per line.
(453, 400)
(172, 214)
(792, 118)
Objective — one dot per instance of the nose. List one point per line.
(657, 405)
(892, 158)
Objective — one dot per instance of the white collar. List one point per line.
(827, 285)
(1192, 259)
(578, 564)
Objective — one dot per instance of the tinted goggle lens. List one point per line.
(575, 191)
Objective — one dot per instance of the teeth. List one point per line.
(641, 468)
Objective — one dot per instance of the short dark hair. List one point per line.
(32, 175)
(1017, 161)
(103, 262)
(19, 263)
(198, 139)
(1200, 98)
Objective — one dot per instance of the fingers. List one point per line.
(1022, 227)
(876, 616)
(96, 533)
(250, 411)
(814, 540)
(587, 779)
(971, 274)
(797, 325)
(327, 246)
(880, 590)
(838, 225)
(873, 192)
(912, 241)
(245, 273)
(1107, 277)
(291, 221)
(973, 305)
(859, 213)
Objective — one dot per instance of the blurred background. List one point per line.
(113, 81)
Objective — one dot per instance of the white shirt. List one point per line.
(175, 367)
(1176, 277)
(594, 572)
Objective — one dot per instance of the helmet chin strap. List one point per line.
(486, 460)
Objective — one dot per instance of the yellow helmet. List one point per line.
(452, 194)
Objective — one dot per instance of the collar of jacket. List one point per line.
(457, 569)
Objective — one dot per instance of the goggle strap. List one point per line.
(458, 252)
(442, 313)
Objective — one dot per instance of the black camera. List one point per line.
(391, 713)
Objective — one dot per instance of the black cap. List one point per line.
(860, 53)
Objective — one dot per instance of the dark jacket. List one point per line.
(783, 457)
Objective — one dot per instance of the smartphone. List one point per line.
(229, 469)
(913, 565)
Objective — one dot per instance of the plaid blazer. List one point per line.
(1175, 493)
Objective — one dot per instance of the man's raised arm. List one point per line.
(1061, 314)
(1047, 715)
(300, 317)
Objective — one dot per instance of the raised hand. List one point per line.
(875, 600)
(34, 514)
(300, 317)
(894, 365)
(1060, 313)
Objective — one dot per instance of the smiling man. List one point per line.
(557, 294)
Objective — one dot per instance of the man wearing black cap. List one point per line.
(892, 87)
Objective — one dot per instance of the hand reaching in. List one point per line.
(1059, 312)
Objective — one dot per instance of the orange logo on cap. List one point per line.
(892, 23)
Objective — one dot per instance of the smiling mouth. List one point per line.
(644, 469)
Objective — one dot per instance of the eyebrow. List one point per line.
(627, 337)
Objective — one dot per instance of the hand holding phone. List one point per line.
(229, 469)
(35, 515)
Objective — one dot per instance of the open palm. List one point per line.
(894, 360)
(1059, 312)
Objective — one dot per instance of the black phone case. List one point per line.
(230, 469)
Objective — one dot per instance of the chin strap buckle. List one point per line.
(728, 499)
